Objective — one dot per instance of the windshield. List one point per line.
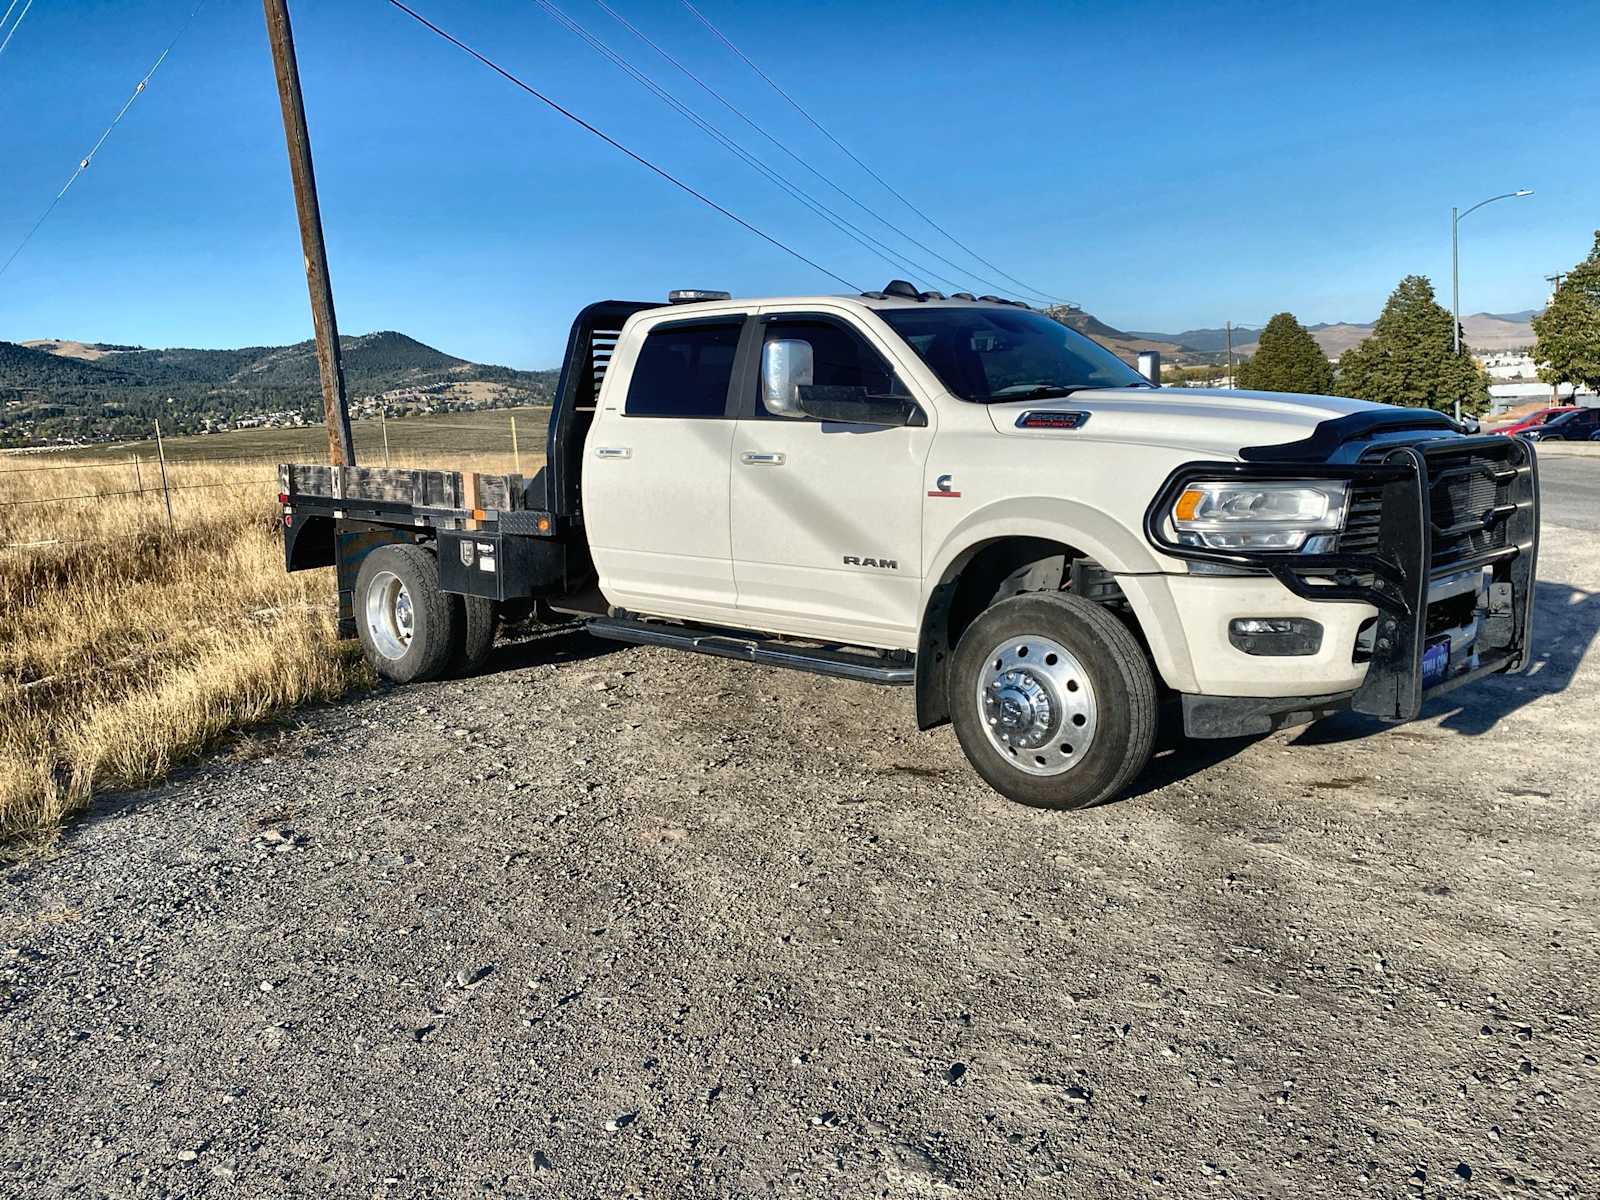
(986, 354)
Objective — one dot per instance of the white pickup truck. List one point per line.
(967, 497)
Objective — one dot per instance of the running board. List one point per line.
(898, 672)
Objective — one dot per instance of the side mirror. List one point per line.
(786, 367)
(856, 406)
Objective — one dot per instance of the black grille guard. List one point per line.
(1395, 577)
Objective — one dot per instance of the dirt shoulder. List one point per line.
(624, 922)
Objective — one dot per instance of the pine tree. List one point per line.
(1410, 360)
(1568, 332)
(1288, 359)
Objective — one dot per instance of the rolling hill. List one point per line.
(1484, 332)
(53, 390)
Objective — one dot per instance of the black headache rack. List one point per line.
(1417, 515)
(503, 537)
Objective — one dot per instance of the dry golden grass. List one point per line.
(124, 650)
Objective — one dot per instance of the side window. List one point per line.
(683, 371)
(840, 358)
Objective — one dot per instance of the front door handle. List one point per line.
(768, 458)
(613, 452)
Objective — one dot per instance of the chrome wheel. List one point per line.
(1036, 705)
(390, 616)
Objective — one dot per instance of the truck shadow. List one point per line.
(549, 645)
(1566, 621)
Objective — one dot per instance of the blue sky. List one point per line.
(1168, 166)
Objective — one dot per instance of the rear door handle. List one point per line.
(613, 452)
(762, 458)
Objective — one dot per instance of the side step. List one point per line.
(896, 669)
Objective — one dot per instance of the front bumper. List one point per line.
(1448, 558)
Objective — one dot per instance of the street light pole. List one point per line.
(1455, 258)
(1455, 283)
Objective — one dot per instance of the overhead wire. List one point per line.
(750, 121)
(615, 144)
(83, 163)
(850, 230)
(13, 31)
(889, 187)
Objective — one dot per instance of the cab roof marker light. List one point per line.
(695, 295)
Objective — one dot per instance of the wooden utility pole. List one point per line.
(341, 446)
(1230, 355)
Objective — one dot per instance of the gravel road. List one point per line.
(615, 922)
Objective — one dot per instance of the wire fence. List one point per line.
(159, 474)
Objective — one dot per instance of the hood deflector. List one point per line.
(1327, 438)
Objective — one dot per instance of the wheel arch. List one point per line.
(1027, 537)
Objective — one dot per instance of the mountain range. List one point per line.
(67, 390)
(1484, 332)
(54, 390)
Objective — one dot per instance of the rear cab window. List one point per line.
(684, 369)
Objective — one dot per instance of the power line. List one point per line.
(13, 32)
(772, 83)
(611, 141)
(855, 232)
(748, 120)
(83, 163)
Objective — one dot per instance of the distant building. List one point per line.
(1509, 364)
(1512, 395)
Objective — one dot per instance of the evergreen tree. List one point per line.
(1287, 360)
(1568, 332)
(1409, 359)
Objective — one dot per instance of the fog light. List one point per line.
(1275, 636)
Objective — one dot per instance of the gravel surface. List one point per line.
(616, 922)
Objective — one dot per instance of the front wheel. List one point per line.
(1053, 701)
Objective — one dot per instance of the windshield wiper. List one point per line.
(1043, 391)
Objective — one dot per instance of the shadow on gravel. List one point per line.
(1565, 621)
(551, 646)
(1176, 757)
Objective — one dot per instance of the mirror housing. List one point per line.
(787, 366)
(856, 406)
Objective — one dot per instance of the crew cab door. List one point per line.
(827, 515)
(655, 473)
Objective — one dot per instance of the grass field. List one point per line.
(462, 436)
(128, 645)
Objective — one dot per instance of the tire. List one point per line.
(409, 629)
(481, 619)
(1053, 701)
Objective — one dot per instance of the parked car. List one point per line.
(1534, 420)
(1575, 426)
(964, 497)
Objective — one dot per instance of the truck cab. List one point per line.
(966, 496)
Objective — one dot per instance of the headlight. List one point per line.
(1300, 515)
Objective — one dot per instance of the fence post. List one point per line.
(383, 420)
(166, 494)
(138, 476)
(516, 455)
